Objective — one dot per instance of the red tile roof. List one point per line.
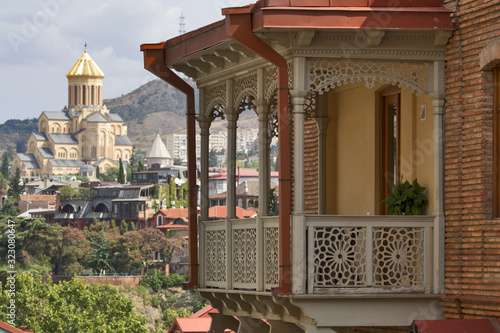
(193, 325)
(173, 226)
(204, 313)
(37, 197)
(220, 212)
(246, 173)
(174, 213)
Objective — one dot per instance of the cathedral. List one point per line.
(83, 133)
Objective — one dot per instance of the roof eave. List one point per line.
(384, 18)
(191, 42)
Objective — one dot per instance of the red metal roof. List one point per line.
(458, 326)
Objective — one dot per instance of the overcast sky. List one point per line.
(42, 39)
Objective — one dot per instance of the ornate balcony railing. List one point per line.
(241, 254)
(369, 254)
(345, 254)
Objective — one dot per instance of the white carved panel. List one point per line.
(328, 74)
(244, 88)
(214, 98)
(245, 256)
(271, 80)
(215, 257)
(271, 257)
(339, 257)
(398, 257)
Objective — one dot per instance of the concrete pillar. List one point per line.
(438, 96)
(264, 178)
(204, 166)
(232, 118)
(299, 220)
(299, 93)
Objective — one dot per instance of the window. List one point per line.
(83, 95)
(389, 142)
(76, 94)
(159, 220)
(92, 95)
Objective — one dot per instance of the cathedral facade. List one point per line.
(83, 133)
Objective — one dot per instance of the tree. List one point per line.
(71, 306)
(97, 172)
(70, 250)
(99, 257)
(212, 158)
(5, 165)
(15, 186)
(123, 227)
(121, 173)
(110, 175)
(9, 208)
(140, 166)
(126, 253)
(132, 226)
(68, 192)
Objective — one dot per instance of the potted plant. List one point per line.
(406, 199)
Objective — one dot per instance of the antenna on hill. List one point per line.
(182, 24)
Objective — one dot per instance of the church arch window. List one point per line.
(159, 220)
(92, 95)
(84, 95)
(76, 95)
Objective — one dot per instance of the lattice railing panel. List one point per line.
(244, 256)
(398, 257)
(271, 257)
(369, 254)
(215, 256)
(339, 257)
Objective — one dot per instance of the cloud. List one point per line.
(44, 38)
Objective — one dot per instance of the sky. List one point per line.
(40, 40)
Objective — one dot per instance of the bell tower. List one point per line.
(85, 82)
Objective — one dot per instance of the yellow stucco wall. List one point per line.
(352, 148)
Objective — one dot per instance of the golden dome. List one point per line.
(85, 66)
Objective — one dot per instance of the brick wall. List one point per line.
(311, 154)
(472, 235)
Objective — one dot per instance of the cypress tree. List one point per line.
(121, 173)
